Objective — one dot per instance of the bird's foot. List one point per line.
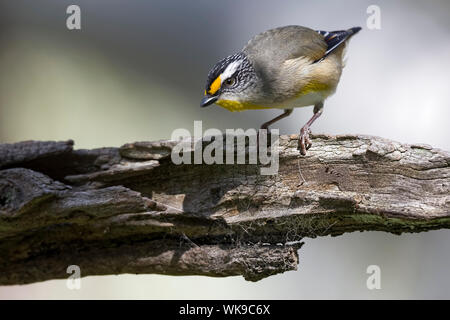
(304, 142)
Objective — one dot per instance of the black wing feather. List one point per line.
(336, 38)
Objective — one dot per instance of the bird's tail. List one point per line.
(335, 38)
(354, 30)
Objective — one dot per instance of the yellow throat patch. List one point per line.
(234, 106)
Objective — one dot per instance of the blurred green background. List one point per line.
(137, 69)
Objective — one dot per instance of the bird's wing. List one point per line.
(335, 38)
(290, 42)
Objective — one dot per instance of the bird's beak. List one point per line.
(208, 100)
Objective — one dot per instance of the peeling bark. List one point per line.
(131, 210)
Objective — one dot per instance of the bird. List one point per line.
(283, 68)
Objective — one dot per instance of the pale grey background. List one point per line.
(136, 71)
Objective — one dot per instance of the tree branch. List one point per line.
(131, 210)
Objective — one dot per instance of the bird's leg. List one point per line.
(304, 143)
(286, 113)
(266, 125)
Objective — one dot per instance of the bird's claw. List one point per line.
(304, 142)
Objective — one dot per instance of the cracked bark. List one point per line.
(131, 210)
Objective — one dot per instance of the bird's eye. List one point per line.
(230, 81)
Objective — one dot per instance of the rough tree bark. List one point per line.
(131, 210)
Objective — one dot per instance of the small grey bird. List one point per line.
(285, 68)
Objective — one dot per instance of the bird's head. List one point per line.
(229, 81)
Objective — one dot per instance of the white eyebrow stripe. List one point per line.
(230, 69)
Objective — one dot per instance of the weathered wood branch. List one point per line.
(131, 210)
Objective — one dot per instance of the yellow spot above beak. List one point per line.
(215, 86)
